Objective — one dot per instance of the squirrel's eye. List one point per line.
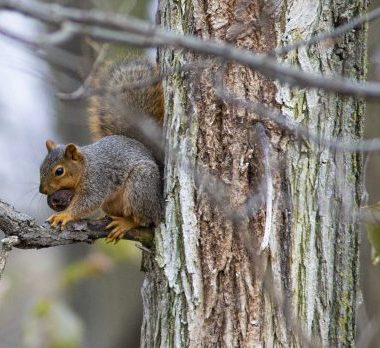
(59, 171)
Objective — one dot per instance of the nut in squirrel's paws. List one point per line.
(60, 218)
(60, 200)
(119, 225)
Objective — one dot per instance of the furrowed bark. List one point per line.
(325, 188)
(205, 285)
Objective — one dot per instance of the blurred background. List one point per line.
(369, 310)
(89, 296)
(72, 296)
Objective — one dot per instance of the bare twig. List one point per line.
(82, 89)
(267, 113)
(58, 57)
(275, 291)
(31, 235)
(264, 143)
(296, 129)
(111, 26)
(85, 90)
(352, 24)
(65, 33)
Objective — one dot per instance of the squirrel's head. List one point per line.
(61, 169)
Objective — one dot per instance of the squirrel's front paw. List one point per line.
(60, 218)
(119, 225)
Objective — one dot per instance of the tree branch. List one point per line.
(126, 29)
(338, 31)
(31, 235)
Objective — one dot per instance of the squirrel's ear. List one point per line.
(50, 145)
(72, 152)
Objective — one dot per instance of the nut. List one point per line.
(60, 200)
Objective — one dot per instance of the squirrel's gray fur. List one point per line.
(112, 163)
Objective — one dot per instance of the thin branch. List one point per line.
(31, 235)
(99, 24)
(275, 291)
(369, 215)
(264, 144)
(279, 118)
(296, 129)
(83, 88)
(267, 113)
(60, 58)
(338, 31)
(64, 34)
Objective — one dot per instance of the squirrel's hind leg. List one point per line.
(120, 225)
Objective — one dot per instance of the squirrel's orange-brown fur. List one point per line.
(127, 100)
(72, 170)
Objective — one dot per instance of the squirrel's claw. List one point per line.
(119, 225)
(112, 224)
(60, 218)
(115, 235)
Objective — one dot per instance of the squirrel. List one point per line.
(120, 172)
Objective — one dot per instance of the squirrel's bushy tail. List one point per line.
(127, 99)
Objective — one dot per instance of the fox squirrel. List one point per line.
(119, 173)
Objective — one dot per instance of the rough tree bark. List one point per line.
(205, 285)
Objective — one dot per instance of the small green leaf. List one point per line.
(370, 215)
(373, 234)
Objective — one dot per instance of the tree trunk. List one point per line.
(208, 284)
